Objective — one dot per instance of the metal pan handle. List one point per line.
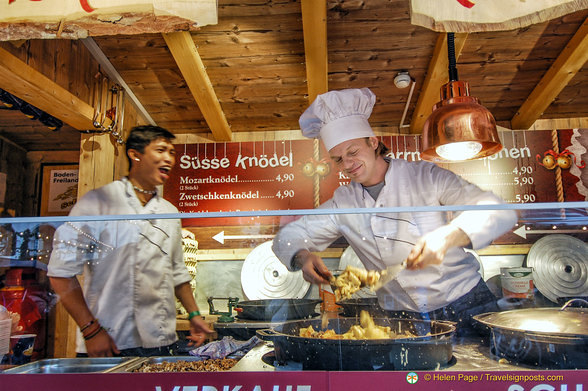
(268, 334)
(569, 302)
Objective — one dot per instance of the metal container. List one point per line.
(136, 364)
(73, 365)
(277, 310)
(432, 348)
(544, 337)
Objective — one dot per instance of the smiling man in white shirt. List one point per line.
(133, 269)
(441, 280)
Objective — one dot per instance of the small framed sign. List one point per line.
(59, 189)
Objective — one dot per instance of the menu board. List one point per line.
(517, 174)
(240, 176)
(534, 166)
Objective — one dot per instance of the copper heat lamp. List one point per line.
(459, 128)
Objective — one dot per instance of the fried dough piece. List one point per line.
(367, 329)
(353, 279)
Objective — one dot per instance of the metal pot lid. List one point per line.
(350, 258)
(263, 276)
(560, 266)
(550, 321)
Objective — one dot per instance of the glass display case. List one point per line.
(261, 308)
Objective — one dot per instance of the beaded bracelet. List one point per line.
(193, 314)
(95, 333)
(90, 323)
(91, 330)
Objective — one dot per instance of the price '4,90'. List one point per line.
(285, 177)
(285, 194)
(523, 170)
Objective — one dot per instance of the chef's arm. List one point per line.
(312, 266)
(198, 327)
(98, 342)
(431, 248)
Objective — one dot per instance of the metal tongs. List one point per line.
(389, 274)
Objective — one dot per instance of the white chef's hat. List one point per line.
(338, 116)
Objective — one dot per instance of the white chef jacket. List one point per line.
(130, 267)
(384, 239)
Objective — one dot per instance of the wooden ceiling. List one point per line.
(255, 70)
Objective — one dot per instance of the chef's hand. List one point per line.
(101, 345)
(432, 247)
(198, 331)
(312, 266)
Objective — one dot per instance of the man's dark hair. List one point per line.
(381, 149)
(141, 136)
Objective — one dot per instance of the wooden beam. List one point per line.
(30, 85)
(437, 75)
(314, 25)
(568, 63)
(188, 60)
(113, 74)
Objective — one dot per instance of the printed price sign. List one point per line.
(244, 176)
(545, 166)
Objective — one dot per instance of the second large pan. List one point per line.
(431, 348)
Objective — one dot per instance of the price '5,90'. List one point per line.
(525, 198)
(523, 180)
(285, 194)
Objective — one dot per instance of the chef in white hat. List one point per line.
(441, 280)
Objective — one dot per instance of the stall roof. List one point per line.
(264, 58)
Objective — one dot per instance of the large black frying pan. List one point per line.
(277, 310)
(431, 348)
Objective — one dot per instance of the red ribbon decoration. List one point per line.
(555, 155)
(546, 153)
(86, 6)
(566, 152)
(84, 3)
(314, 163)
(466, 3)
